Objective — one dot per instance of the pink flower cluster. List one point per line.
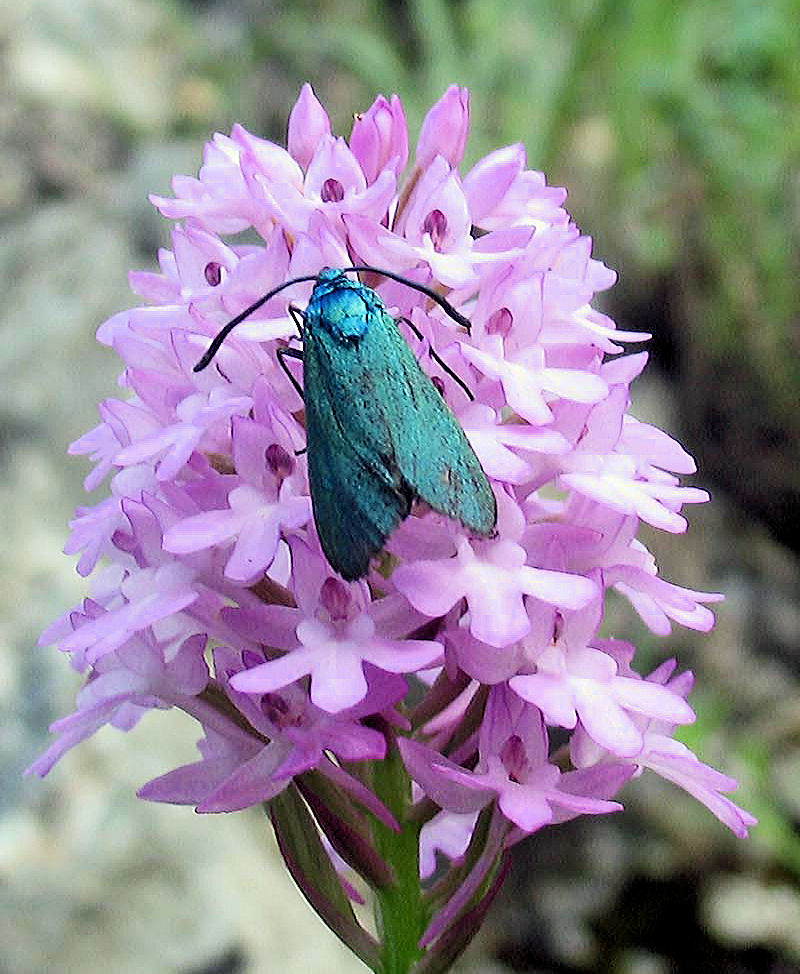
(214, 595)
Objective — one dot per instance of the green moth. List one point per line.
(379, 434)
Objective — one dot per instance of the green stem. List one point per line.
(400, 910)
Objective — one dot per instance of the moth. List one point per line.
(379, 435)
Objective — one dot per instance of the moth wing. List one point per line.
(431, 449)
(397, 421)
(357, 500)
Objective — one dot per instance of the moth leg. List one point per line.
(298, 316)
(436, 357)
(283, 353)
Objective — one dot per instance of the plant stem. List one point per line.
(400, 911)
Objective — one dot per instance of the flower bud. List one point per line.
(308, 126)
(445, 128)
(380, 137)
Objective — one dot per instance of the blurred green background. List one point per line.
(676, 128)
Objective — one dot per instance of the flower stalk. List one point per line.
(401, 913)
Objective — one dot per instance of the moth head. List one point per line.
(329, 275)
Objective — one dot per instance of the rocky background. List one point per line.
(675, 128)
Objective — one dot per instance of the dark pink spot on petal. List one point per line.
(332, 191)
(335, 598)
(515, 758)
(439, 384)
(499, 322)
(279, 461)
(275, 709)
(213, 273)
(435, 224)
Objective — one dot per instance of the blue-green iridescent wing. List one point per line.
(396, 422)
(357, 499)
(432, 452)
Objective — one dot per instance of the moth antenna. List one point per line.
(443, 303)
(220, 337)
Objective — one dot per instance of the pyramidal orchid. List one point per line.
(399, 730)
